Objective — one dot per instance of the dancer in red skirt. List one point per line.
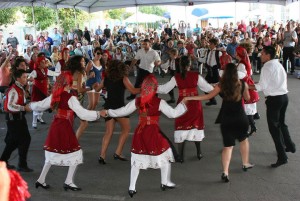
(61, 146)
(150, 148)
(190, 126)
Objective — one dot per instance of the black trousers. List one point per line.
(212, 77)
(17, 137)
(276, 108)
(171, 93)
(141, 74)
(288, 53)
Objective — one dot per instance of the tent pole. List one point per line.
(75, 16)
(235, 12)
(57, 17)
(137, 22)
(185, 14)
(33, 17)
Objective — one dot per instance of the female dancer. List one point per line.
(232, 116)
(61, 146)
(76, 65)
(94, 71)
(150, 148)
(244, 66)
(190, 126)
(116, 81)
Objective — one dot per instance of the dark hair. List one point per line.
(17, 62)
(97, 49)
(230, 84)
(40, 54)
(270, 50)
(257, 42)
(185, 62)
(214, 41)
(116, 70)
(18, 73)
(74, 64)
(146, 40)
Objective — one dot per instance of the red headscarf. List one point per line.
(62, 80)
(38, 61)
(148, 91)
(242, 53)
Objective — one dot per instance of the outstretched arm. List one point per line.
(121, 112)
(165, 88)
(170, 112)
(212, 94)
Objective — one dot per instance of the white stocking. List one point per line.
(44, 173)
(166, 175)
(34, 118)
(71, 172)
(133, 177)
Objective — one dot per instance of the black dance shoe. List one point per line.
(292, 149)
(101, 160)
(256, 116)
(43, 185)
(278, 163)
(10, 167)
(252, 131)
(68, 187)
(164, 187)
(131, 97)
(118, 157)
(131, 192)
(246, 167)
(41, 121)
(199, 156)
(225, 178)
(24, 169)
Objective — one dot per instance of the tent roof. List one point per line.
(98, 5)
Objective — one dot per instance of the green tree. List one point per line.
(67, 18)
(156, 10)
(8, 16)
(44, 17)
(118, 14)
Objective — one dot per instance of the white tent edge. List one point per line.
(93, 8)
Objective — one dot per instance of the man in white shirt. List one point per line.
(148, 59)
(273, 83)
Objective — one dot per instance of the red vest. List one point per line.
(20, 100)
(41, 81)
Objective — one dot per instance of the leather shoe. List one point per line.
(43, 185)
(118, 157)
(256, 116)
(249, 166)
(41, 121)
(72, 188)
(225, 178)
(278, 163)
(131, 192)
(24, 169)
(164, 187)
(292, 149)
(131, 97)
(101, 160)
(10, 167)
(211, 103)
(199, 156)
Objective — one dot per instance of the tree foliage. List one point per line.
(118, 14)
(8, 16)
(67, 18)
(44, 17)
(156, 10)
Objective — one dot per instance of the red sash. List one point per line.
(147, 120)
(188, 92)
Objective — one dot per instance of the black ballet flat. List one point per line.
(41, 121)
(252, 131)
(118, 157)
(225, 178)
(246, 167)
(101, 160)
(164, 187)
(68, 187)
(43, 185)
(131, 192)
(199, 156)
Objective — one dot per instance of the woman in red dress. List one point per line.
(150, 148)
(61, 146)
(190, 126)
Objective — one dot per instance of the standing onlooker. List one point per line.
(232, 117)
(12, 40)
(87, 35)
(98, 31)
(232, 46)
(49, 39)
(289, 42)
(56, 38)
(107, 32)
(273, 83)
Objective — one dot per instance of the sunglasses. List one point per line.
(98, 53)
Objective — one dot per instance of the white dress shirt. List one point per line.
(170, 112)
(211, 57)
(147, 59)
(273, 79)
(202, 84)
(73, 103)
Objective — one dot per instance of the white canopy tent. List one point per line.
(143, 17)
(99, 5)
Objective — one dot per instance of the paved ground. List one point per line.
(196, 180)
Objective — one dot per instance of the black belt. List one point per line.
(14, 116)
(274, 96)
